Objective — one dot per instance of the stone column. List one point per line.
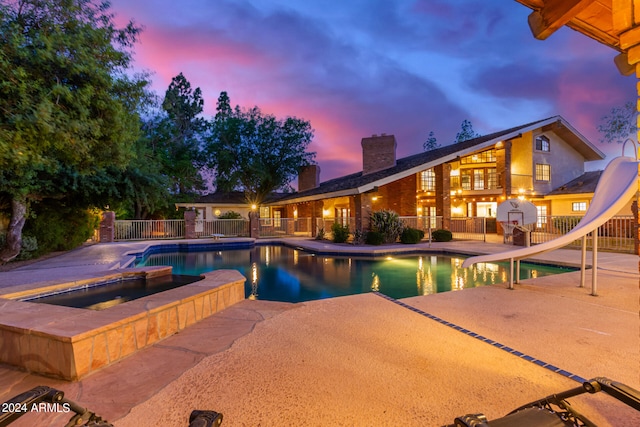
(254, 225)
(107, 227)
(190, 224)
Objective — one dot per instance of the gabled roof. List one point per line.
(585, 183)
(358, 183)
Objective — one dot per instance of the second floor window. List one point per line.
(428, 180)
(465, 179)
(579, 206)
(478, 179)
(542, 143)
(543, 172)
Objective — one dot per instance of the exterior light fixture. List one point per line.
(254, 207)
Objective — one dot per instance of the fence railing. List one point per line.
(283, 227)
(149, 229)
(615, 235)
(223, 227)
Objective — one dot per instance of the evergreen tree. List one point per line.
(431, 143)
(466, 132)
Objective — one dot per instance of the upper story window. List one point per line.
(543, 172)
(579, 206)
(428, 180)
(488, 156)
(543, 144)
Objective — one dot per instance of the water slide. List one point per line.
(617, 184)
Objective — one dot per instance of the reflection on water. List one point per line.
(280, 273)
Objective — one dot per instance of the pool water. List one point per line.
(280, 273)
(105, 295)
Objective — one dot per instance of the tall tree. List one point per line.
(466, 132)
(254, 152)
(182, 137)
(620, 124)
(66, 102)
(431, 143)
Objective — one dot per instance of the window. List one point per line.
(487, 156)
(265, 214)
(542, 216)
(465, 179)
(492, 178)
(277, 219)
(478, 179)
(542, 143)
(579, 206)
(543, 172)
(428, 180)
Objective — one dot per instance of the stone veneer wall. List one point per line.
(41, 339)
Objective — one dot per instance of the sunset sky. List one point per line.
(361, 67)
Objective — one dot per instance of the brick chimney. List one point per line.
(308, 177)
(378, 153)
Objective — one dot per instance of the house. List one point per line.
(543, 161)
(466, 179)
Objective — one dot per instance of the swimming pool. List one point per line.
(280, 273)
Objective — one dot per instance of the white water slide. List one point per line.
(617, 184)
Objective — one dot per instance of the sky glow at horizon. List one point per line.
(366, 67)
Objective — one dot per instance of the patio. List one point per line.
(364, 360)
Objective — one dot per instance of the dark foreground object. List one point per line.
(555, 410)
(47, 399)
(551, 411)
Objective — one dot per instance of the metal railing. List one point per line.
(616, 235)
(284, 227)
(149, 229)
(469, 228)
(223, 227)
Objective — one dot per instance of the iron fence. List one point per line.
(223, 228)
(616, 235)
(149, 229)
(284, 227)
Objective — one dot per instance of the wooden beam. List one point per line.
(622, 63)
(630, 38)
(554, 15)
(622, 13)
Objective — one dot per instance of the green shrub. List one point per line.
(58, 227)
(320, 235)
(374, 238)
(388, 223)
(230, 215)
(411, 235)
(29, 248)
(340, 232)
(358, 237)
(442, 235)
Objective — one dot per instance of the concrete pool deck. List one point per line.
(364, 360)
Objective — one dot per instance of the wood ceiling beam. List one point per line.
(553, 15)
